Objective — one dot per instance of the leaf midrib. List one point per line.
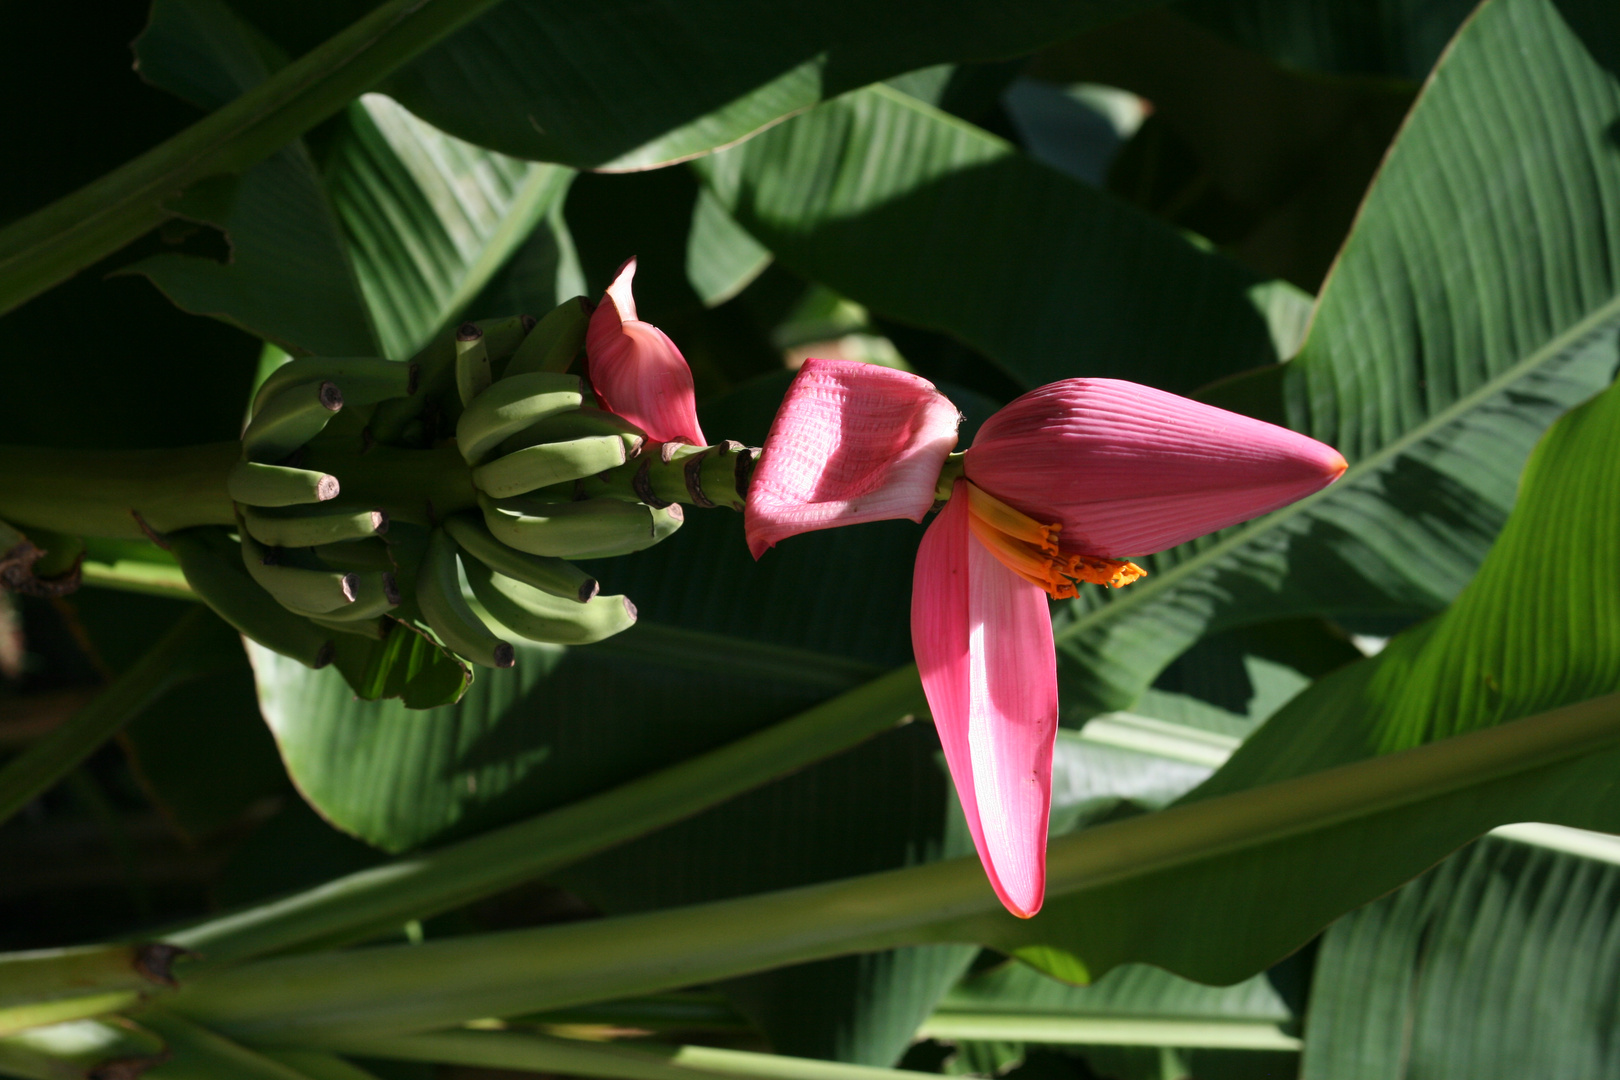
(1145, 593)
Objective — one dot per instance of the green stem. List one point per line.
(333, 997)
(52, 244)
(190, 649)
(418, 486)
(108, 493)
(706, 476)
(372, 901)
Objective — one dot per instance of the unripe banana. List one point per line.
(256, 484)
(375, 593)
(552, 576)
(289, 420)
(549, 463)
(581, 423)
(327, 525)
(665, 520)
(473, 373)
(511, 405)
(307, 592)
(221, 582)
(539, 616)
(553, 344)
(364, 380)
(438, 594)
(437, 386)
(503, 337)
(373, 629)
(564, 529)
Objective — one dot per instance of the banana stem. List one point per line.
(109, 493)
(706, 476)
(419, 486)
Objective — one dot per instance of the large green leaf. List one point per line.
(430, 218)
(1497, 963)
(288, 277)
(627, 85)
(1476, 300)
(935, 222)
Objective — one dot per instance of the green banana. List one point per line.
(552, 576)
(257, 484)
(550, 463)
(473, 373)
(580, 423)
(540, 616)
(564, 529)
(665, 520)
(503, 337)
(324, 526)
(222, 583)
(553, 344)
(375, 593)
(289, 420)
(438, 594)
(307, 592)
(511, 405)
(373, 629)
(364, 380)
(436, 392)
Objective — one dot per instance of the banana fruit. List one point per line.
(221, 582)
(544, 464)
(324, 526)
(257, 484)
(539, 616)
(289, 419)
(364, 380)
(438, 594)
(569, 529)
(553, 344)
(511, 405)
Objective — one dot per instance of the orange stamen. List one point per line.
(1030, 549)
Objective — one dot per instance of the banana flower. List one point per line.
(636, 370)
(1060, 487)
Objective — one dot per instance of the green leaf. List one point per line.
(623, 85)
(1472, 304)
(288, 277)
(429, 218)
(937, 223)
(722, 259)
(1494, 964)
(98, 219)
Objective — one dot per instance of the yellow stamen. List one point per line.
(1030, 549)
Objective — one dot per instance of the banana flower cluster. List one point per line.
(1061, 487)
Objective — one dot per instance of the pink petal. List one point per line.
(1128, 470)
(851, 442)
(637, 371)
(983, 640)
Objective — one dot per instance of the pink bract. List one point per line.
(851, 442)
(636, 369)
(1128, 470)
(983, 640)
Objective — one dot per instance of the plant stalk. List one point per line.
(108, 493)
(380, 899)
(325, 998)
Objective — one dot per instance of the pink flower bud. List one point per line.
(637, 371)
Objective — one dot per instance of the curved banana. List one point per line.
(438, 594)
(307, 592)
(549, 463)
(255, 484)
(580, 423)
(553, 344)
(511, 405)
(549, 575)
(565, 529)
(324, 526)
(540, 616)
(221, 582)
(473, 371)
(437, 385)
(290, 419)
(665, 520)
(364, 380)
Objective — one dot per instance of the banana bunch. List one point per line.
(441, 496)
